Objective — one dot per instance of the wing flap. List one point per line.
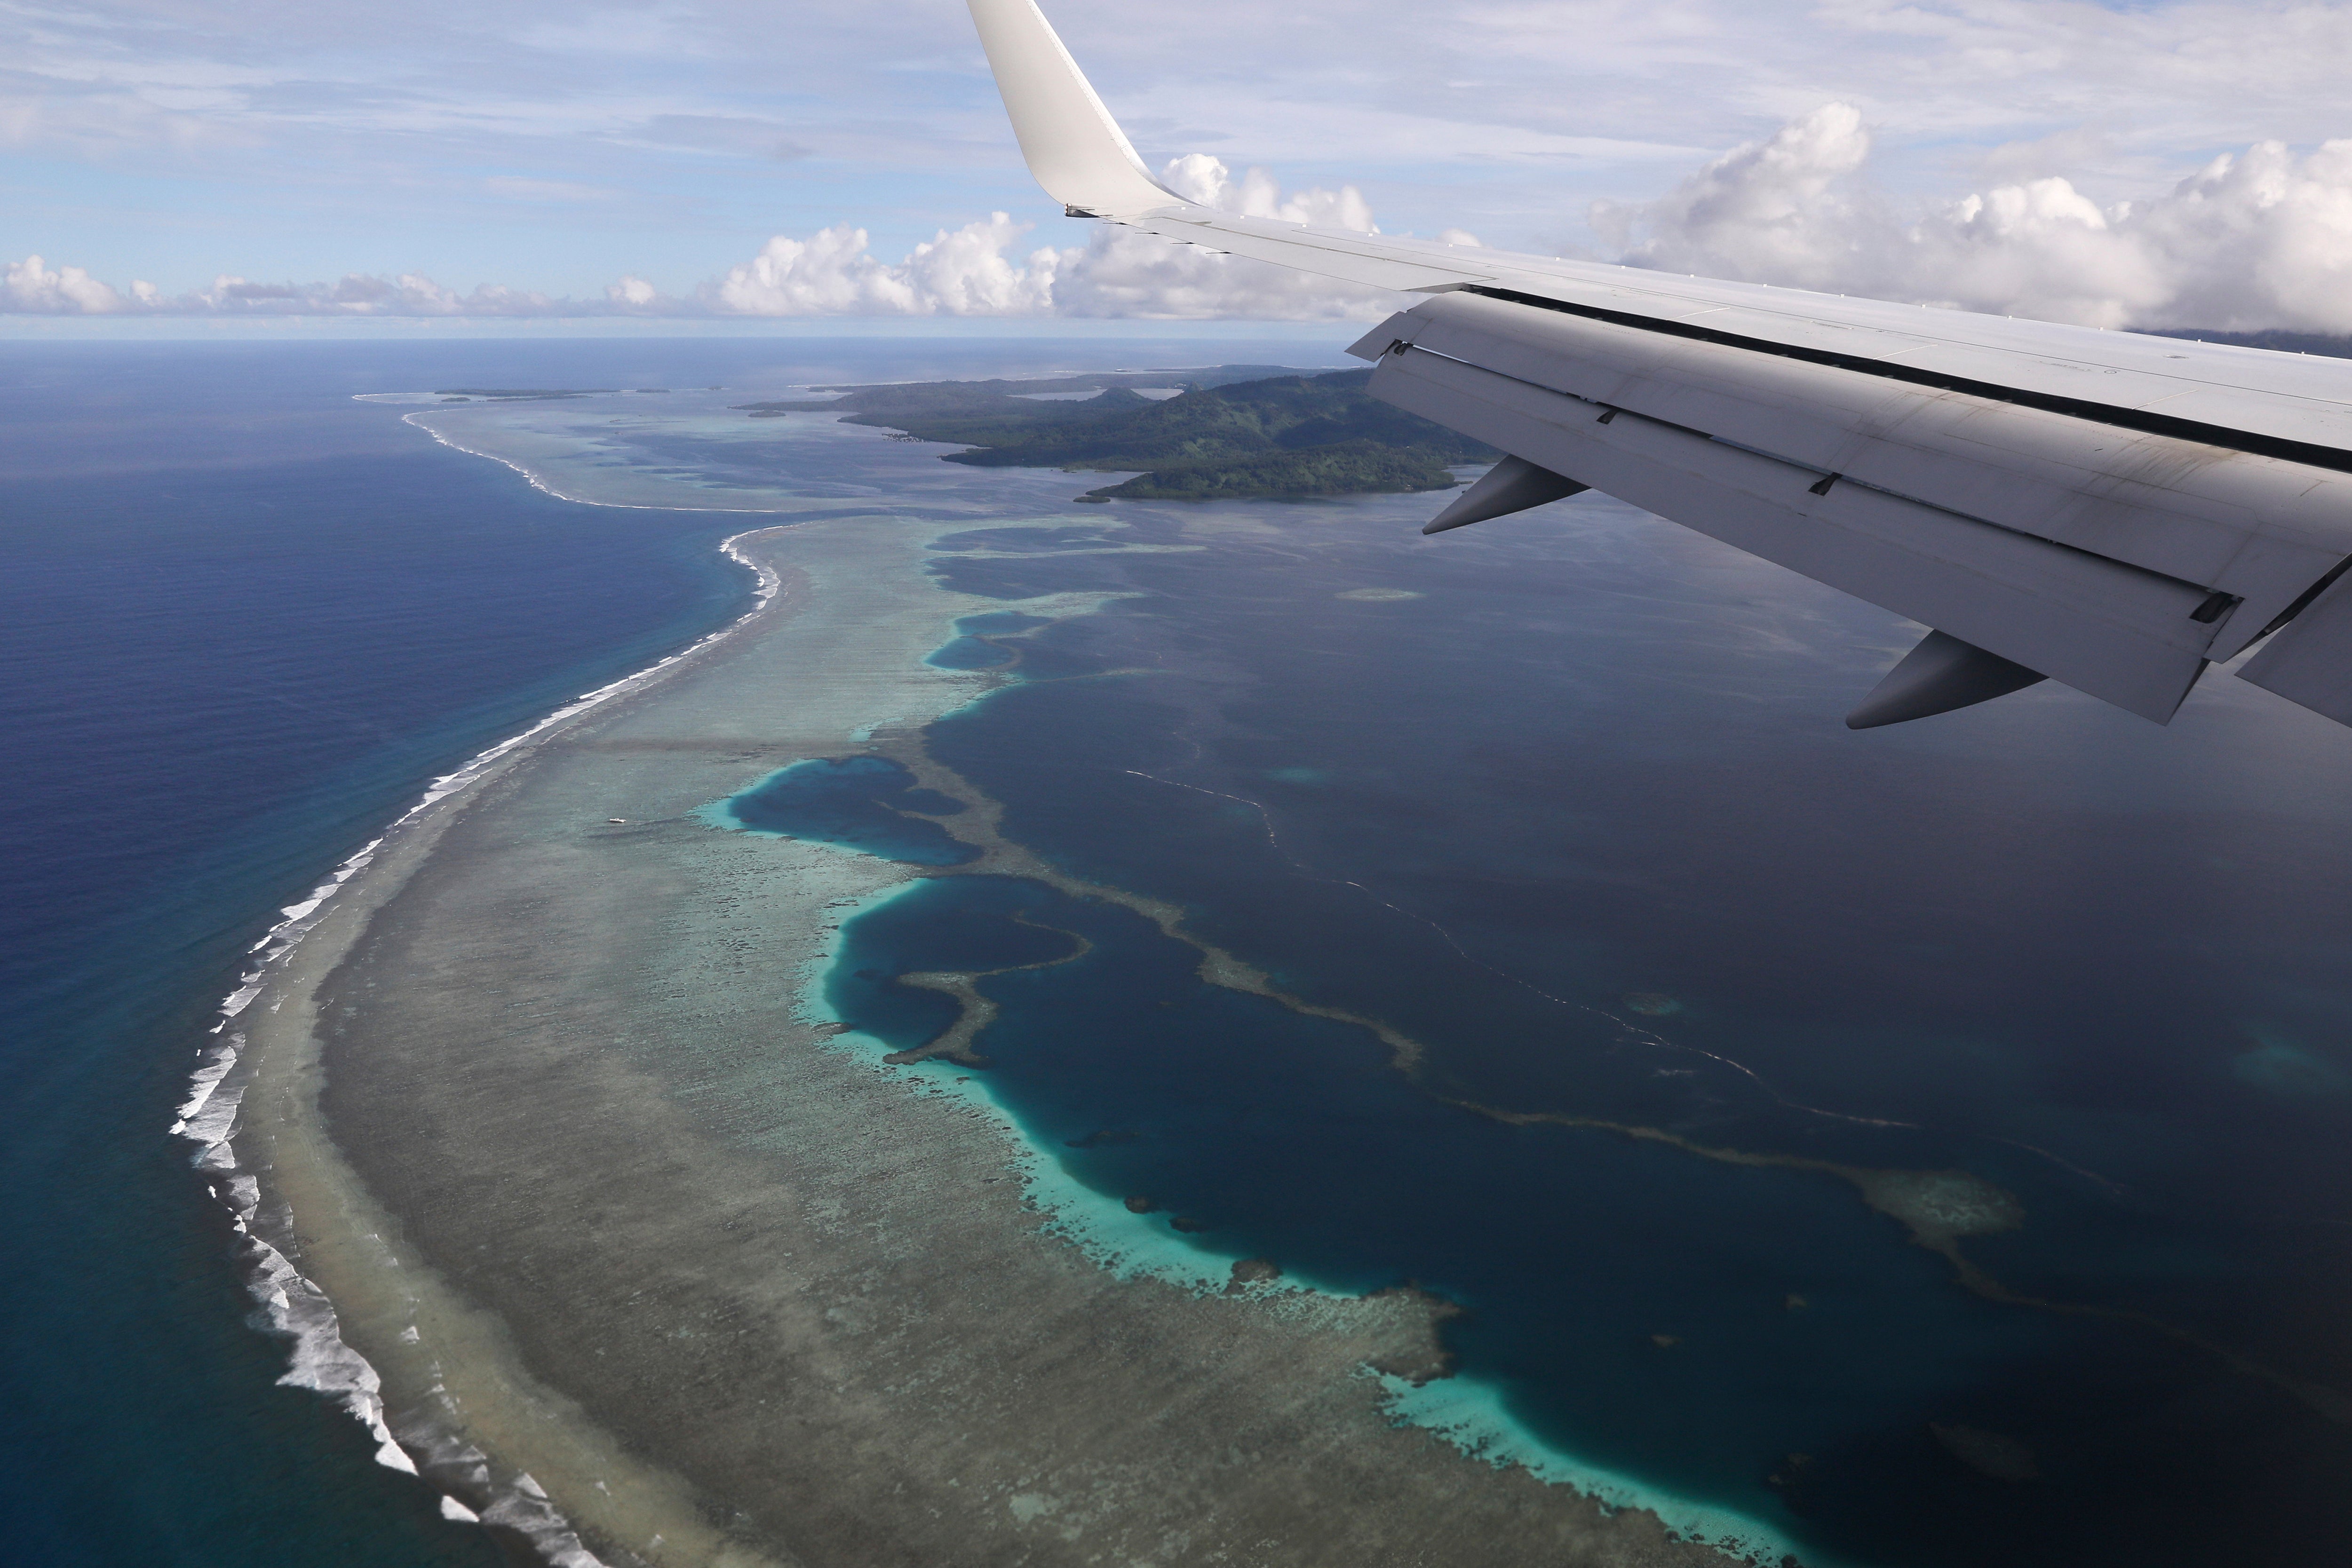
(2257, 529)
(2309, 661)
(2120, 633)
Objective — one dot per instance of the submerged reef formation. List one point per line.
(623, 1226)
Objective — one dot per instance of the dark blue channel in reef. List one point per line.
(857, 803)
(972, 648)
(1581, 819)
(1263, 1132)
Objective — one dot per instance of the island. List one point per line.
(1236, 433)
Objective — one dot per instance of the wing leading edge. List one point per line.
(2109, 510)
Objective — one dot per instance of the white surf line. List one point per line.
(540, 484)
(544, 488)
(294, 1305)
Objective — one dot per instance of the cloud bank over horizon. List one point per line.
(977, 269)
(2254, 240)
(383, 153)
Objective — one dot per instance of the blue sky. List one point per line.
(548, 151)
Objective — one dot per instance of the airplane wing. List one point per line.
(2109, 510)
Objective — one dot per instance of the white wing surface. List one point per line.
(2106, 509)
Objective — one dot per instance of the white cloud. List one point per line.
(514, 188)
(31, 287)
(339, 116)
(980, 269)
(972, 271)
(1783, 207)
(2254, 240)
(961, 273)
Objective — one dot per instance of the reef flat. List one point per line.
(631, 1234)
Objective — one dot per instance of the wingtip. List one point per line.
(1073, 146)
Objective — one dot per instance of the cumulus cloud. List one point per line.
(975, 270)
(32, 287)
(1783, 208)
(1123, 272)
(980, 269)
(2254, 240)
(356, 294)
(965, 272)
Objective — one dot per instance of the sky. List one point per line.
(718, 162)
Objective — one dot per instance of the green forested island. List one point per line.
(1232, 434)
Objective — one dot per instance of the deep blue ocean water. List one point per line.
(243, 620)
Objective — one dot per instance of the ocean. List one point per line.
(1565, 799)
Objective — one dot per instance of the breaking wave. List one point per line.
(291, 1305)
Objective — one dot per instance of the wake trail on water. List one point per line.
(292, 1305)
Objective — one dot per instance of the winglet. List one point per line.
(1073, 147)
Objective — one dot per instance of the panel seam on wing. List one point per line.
(2309, 453)
(1605, 412)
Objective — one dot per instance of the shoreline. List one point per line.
(232, 1078)
(540, 483)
